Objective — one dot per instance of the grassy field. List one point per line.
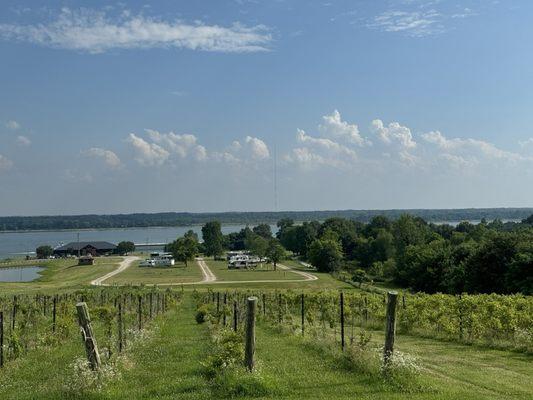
(262, 272)
(219, 268)
(136, 275)
(168, 364)
(61, 274)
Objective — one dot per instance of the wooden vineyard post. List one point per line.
(54, 313)
(218, 303)
(235, 316)
(87, 335)
(342, 321)
(224, 313)
(303, 313)
(250, 333)
(1, 339)
(140, 311)
(264, 306)
(120, 328)
(390, 328)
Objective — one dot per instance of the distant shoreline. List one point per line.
(91, 222)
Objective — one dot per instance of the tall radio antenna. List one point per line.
(275, 173)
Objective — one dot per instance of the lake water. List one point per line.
(20, 274)
(17, 244)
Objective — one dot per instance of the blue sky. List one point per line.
(186, 106)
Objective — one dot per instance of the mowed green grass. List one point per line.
(62, 274)
(281, 278)
(261, 272)
(168, 365)
(135, 275)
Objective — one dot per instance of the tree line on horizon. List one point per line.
(170, 219)
(487, 257)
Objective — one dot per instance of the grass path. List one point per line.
(124, 264)
(168, 366)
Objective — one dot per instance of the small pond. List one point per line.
(20, 274)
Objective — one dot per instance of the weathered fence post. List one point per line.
(390, 328)
(342, 321)
(218, 303)
(87, 335)
(303, 313)
(120, 328)
(264, 306)
(235, 316)
(1, 339)
(250, 333)
(54, 312)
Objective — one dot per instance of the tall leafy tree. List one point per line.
(184, 248)
(213, 238)
(275, 252)
(263, 230)
(325, 255)
(44, 251)
(125, 247)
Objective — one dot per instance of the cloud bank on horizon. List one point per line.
(216, 106)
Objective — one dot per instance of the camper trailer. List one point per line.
(245, 261)
(158, 260)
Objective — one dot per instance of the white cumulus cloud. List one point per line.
(109, 158)
(393, 133)
(473, 147)
(334, 126)
(332, 147)
(258, 148)
(97, 32)
(23, 140)
(148, 154)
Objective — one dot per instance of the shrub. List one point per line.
(202, 314)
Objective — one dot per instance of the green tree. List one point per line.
(125, 247)
(184, 248)
(275, 252)
(213, 238)
(325, 255)
(257, 245)
(263, 230)
(44, 251)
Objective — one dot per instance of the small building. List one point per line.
(98, 248)
(86, 260)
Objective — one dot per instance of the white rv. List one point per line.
(158, 260)
(243, 261)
